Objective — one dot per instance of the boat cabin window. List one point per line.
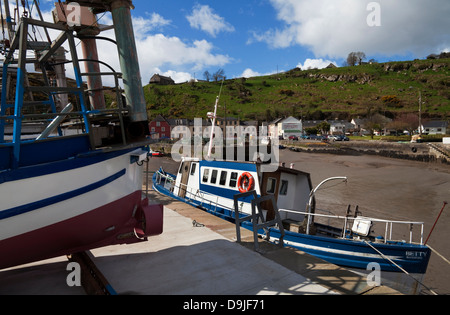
(271, 184)
(233, 179)
(205, 175)
(223, 178)
(213, 176)
(193, 167)
(284, 187)
(181, 168)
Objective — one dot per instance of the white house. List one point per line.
(435, 127)
(359, 126)
(340, 127)
(286, 127)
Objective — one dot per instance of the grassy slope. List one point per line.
(336, 93)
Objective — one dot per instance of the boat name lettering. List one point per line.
(415, 255)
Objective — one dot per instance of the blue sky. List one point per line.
(183, 38)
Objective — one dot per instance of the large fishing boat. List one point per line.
(280, 205)
(71, 166)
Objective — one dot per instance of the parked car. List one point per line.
(293, 138)
(333, 138)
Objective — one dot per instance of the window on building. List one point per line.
(271, 184)
(223, 178)
(214, 177)
(163, 128)
(158, 124)
(233, 179)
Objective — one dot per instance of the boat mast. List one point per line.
(213, 116)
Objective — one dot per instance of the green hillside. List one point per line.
(388, 88)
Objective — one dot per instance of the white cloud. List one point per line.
(249, 73)
(315, 64)
(204, 18)
(178, 77)
(335, 28)
(155, 51)
(158, 50)
(143, 25)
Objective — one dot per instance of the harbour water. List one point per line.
(382, 188)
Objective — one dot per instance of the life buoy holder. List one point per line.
(246, 182)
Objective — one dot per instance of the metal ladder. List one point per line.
(257, 214)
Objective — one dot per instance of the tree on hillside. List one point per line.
(355, 58)
(207, 75)
(219, 75)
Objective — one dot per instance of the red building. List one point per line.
(159, 128)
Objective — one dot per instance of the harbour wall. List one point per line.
(423, 152)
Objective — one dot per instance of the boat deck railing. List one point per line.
(198, 195)
(37, 105)
(389, 224)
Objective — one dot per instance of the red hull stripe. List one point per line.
(87, 231)
(62, 197)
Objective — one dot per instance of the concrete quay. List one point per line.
(195, 259)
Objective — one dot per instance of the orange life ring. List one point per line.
(245, 182)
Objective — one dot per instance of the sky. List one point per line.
(245, 38)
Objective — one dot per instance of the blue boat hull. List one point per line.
(413, 258)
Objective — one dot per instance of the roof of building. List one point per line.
(435, 124)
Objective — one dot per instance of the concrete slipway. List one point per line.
(201, 259)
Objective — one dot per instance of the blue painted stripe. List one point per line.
(59, 198)
(239, 166)
(223, 190)
(110, 289)
(58, 166)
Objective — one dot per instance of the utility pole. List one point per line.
(420, 113)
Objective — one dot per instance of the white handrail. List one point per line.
(388, 222)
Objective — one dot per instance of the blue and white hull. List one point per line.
(392, 258)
